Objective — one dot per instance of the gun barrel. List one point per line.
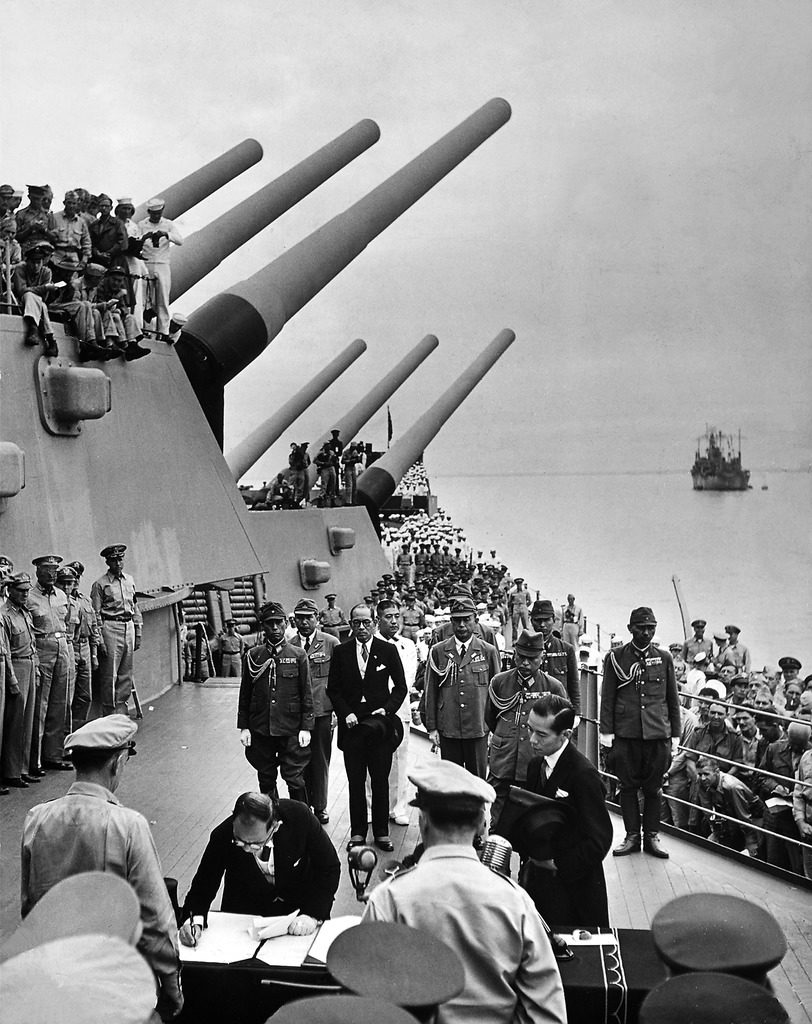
(195, 187)
(232, 328)
(377, 484)
(243, 456)
(349, 424)
(207, 248)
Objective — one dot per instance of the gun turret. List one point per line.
(195, 187)
(207, 248)
(377, 484)
(243, 456)
(349, 424)
(230, 330)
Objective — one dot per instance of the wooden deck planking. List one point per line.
(190, 768)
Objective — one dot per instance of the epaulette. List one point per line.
(399, 872)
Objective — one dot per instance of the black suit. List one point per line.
(367, 746)
(306, 870)
(576, 893)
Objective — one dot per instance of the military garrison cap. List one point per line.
(113, 732)
(718, 933)
(711, 999)
(306, 607)
(361, 960)
(272, 612)
(642, 616)
(341, 1010)
(113, 550)
(789, 663)
(51, 561)
(446, 779)
(543, 609)
(19, 579)
(529, 643)
(462, 606)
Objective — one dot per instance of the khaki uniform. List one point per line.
(85, 645)
(317, 771)
(49, 613)
(17, 629)
(117, 617)
(231, 648)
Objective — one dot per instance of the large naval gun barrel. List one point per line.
(195, 187)
(207, 248)
(242, 457)
(351, 422)
(233, 328)
(377, 484)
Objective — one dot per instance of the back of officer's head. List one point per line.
(255, 806)
(555, 706)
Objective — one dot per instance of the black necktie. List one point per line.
(307, 644)
(543, 771)
(462, 651)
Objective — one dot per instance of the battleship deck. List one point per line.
(191, 767)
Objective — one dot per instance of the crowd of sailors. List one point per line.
(91, 265)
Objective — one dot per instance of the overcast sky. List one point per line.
(642, 222)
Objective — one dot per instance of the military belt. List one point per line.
(117, 618)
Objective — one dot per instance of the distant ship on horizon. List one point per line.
(718, 464)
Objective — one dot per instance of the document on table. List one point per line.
(285, 950)
(225, 941)
(271, 927)
(328, 932)
(580, 937)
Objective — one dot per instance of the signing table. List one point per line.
(232, 977)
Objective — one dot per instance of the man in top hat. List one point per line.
(119, 620)
(85, 645)
(734, 653)
(319, 647)
(640, 721)
(366, 685)
(275, 714)
(458, 673)
(388, 628)
(232, 646)
(331, 617)
(71, 236)
(31, 285)
(35, 222)
(486, 919)
(697, 642)
(18, 723)
(560, 657)
(511, 695)
(571, 620)
(89, 830)
(157, 235)
(49, 612)
(565, 877)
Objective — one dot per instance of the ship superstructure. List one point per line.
(718, 463)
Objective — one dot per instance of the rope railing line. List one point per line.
(740, 764)
(719, 814)
(756, 712)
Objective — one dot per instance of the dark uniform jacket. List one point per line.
(561, 661)
(727, 743)
(457, 692)
(446, 632)
(321, 650)
(581, 843)
(306, 870)
(276, 696)
(781, 759)
(640, 699)
(510, 752)
(383, 685)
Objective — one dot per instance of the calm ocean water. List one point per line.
(616, 540)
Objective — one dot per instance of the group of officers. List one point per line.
(65, 657)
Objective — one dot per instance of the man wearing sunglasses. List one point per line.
(276, 859)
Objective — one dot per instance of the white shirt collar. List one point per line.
(552, 759)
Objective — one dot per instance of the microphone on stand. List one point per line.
(496, 853)
(361, 862)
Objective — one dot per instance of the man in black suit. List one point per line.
(566, 879)
(276, 858)
(366, 685)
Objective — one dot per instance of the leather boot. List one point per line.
(651, 844)
(50, 346)
(136, 351)
(631, 844)
(32, 336)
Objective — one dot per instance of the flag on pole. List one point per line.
(388, 427)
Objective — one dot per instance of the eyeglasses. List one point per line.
(361, 622)
(245, 844)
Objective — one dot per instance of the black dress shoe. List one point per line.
(58, 766)
(4, 791)
(631, 844)
(15, 783)
(651, 844)
(30, 780)
(356, 841)
(36, 773)
(384, 843)
(322, 817)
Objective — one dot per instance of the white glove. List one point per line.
(607, 739)
(304, 741)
